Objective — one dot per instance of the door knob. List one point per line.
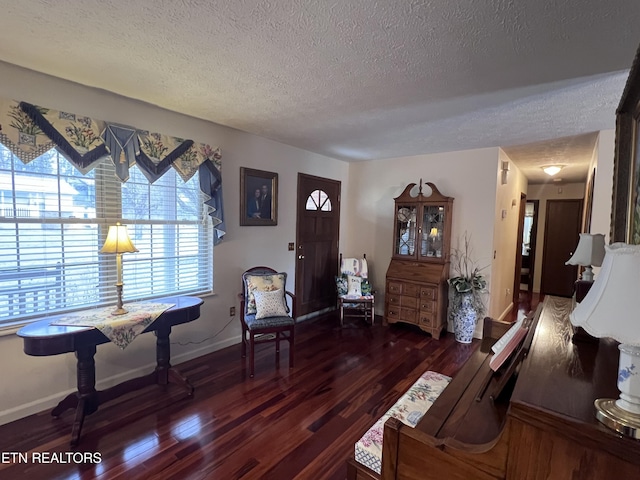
(300, 257)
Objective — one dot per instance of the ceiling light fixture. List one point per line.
(551, 170)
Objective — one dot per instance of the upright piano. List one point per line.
(535, 421)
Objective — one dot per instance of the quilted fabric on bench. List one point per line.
(409, 409)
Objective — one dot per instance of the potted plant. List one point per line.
(466, 291)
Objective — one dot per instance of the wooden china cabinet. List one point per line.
(416, 285)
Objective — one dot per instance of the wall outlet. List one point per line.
(232, 311)
(290, 246)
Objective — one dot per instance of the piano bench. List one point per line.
(409, 409)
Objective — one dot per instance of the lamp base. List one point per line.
(119, 310)
(587, 275)
(617, 418)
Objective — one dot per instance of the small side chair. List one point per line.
(355, 296)
(264, 313)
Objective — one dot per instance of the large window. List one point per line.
(53, 221)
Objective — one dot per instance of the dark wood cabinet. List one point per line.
(416, 284)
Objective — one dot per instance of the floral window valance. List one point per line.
(29, 131)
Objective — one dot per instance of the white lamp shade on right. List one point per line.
(590, 250)
(611, 307)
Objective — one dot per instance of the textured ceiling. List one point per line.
(355, 80)
(574, 154)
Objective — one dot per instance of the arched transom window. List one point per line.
(318, 200)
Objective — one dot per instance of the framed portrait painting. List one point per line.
(625, 213)
(258, 197)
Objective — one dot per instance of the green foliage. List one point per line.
(467, 277)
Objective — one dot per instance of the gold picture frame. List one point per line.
(258, 197)
(625, 209)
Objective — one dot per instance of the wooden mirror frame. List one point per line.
(625, 208)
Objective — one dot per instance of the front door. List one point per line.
(561, 234)
(317, 233)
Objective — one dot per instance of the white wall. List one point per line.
(468, 176)
(603, 185)
(544, 192)
(32, 384)
(505, 237)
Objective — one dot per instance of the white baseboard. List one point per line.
(50, 401)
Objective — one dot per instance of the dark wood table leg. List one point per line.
(165, 373)
(70, 401)
(85, 400)
(76, 430)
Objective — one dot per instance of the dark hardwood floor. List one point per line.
(282, 424)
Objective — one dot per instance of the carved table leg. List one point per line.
(163, 354)
(85, 400)
(165, 373)
(70, 401)
(77, 424)
(176, 377)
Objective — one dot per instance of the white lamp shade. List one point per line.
(590, 250)
(118, 241)
(611, 307)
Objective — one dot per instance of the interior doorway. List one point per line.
(562, 228)
(527, 246)
(317, 234)
(518, 270)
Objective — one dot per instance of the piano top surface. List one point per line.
(557, 377)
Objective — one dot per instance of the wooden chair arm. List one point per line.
(293, 304)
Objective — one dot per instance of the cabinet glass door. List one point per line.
(406, 229)
(431, 240)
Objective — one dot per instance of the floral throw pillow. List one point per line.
(263, 283)
(270, 304)
(341, 285)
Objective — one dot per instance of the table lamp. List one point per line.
(610, 309)
(118, 242)
(589, 252)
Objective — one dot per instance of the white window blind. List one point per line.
(54, 220)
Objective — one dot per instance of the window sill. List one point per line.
(11, 329)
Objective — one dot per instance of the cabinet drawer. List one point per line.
(426, 319)
(428, 306)
(394, 287)
(429, 293)
(394, 300)
(393, 313)
(409, 302)
(410, 290)
(408, 315)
